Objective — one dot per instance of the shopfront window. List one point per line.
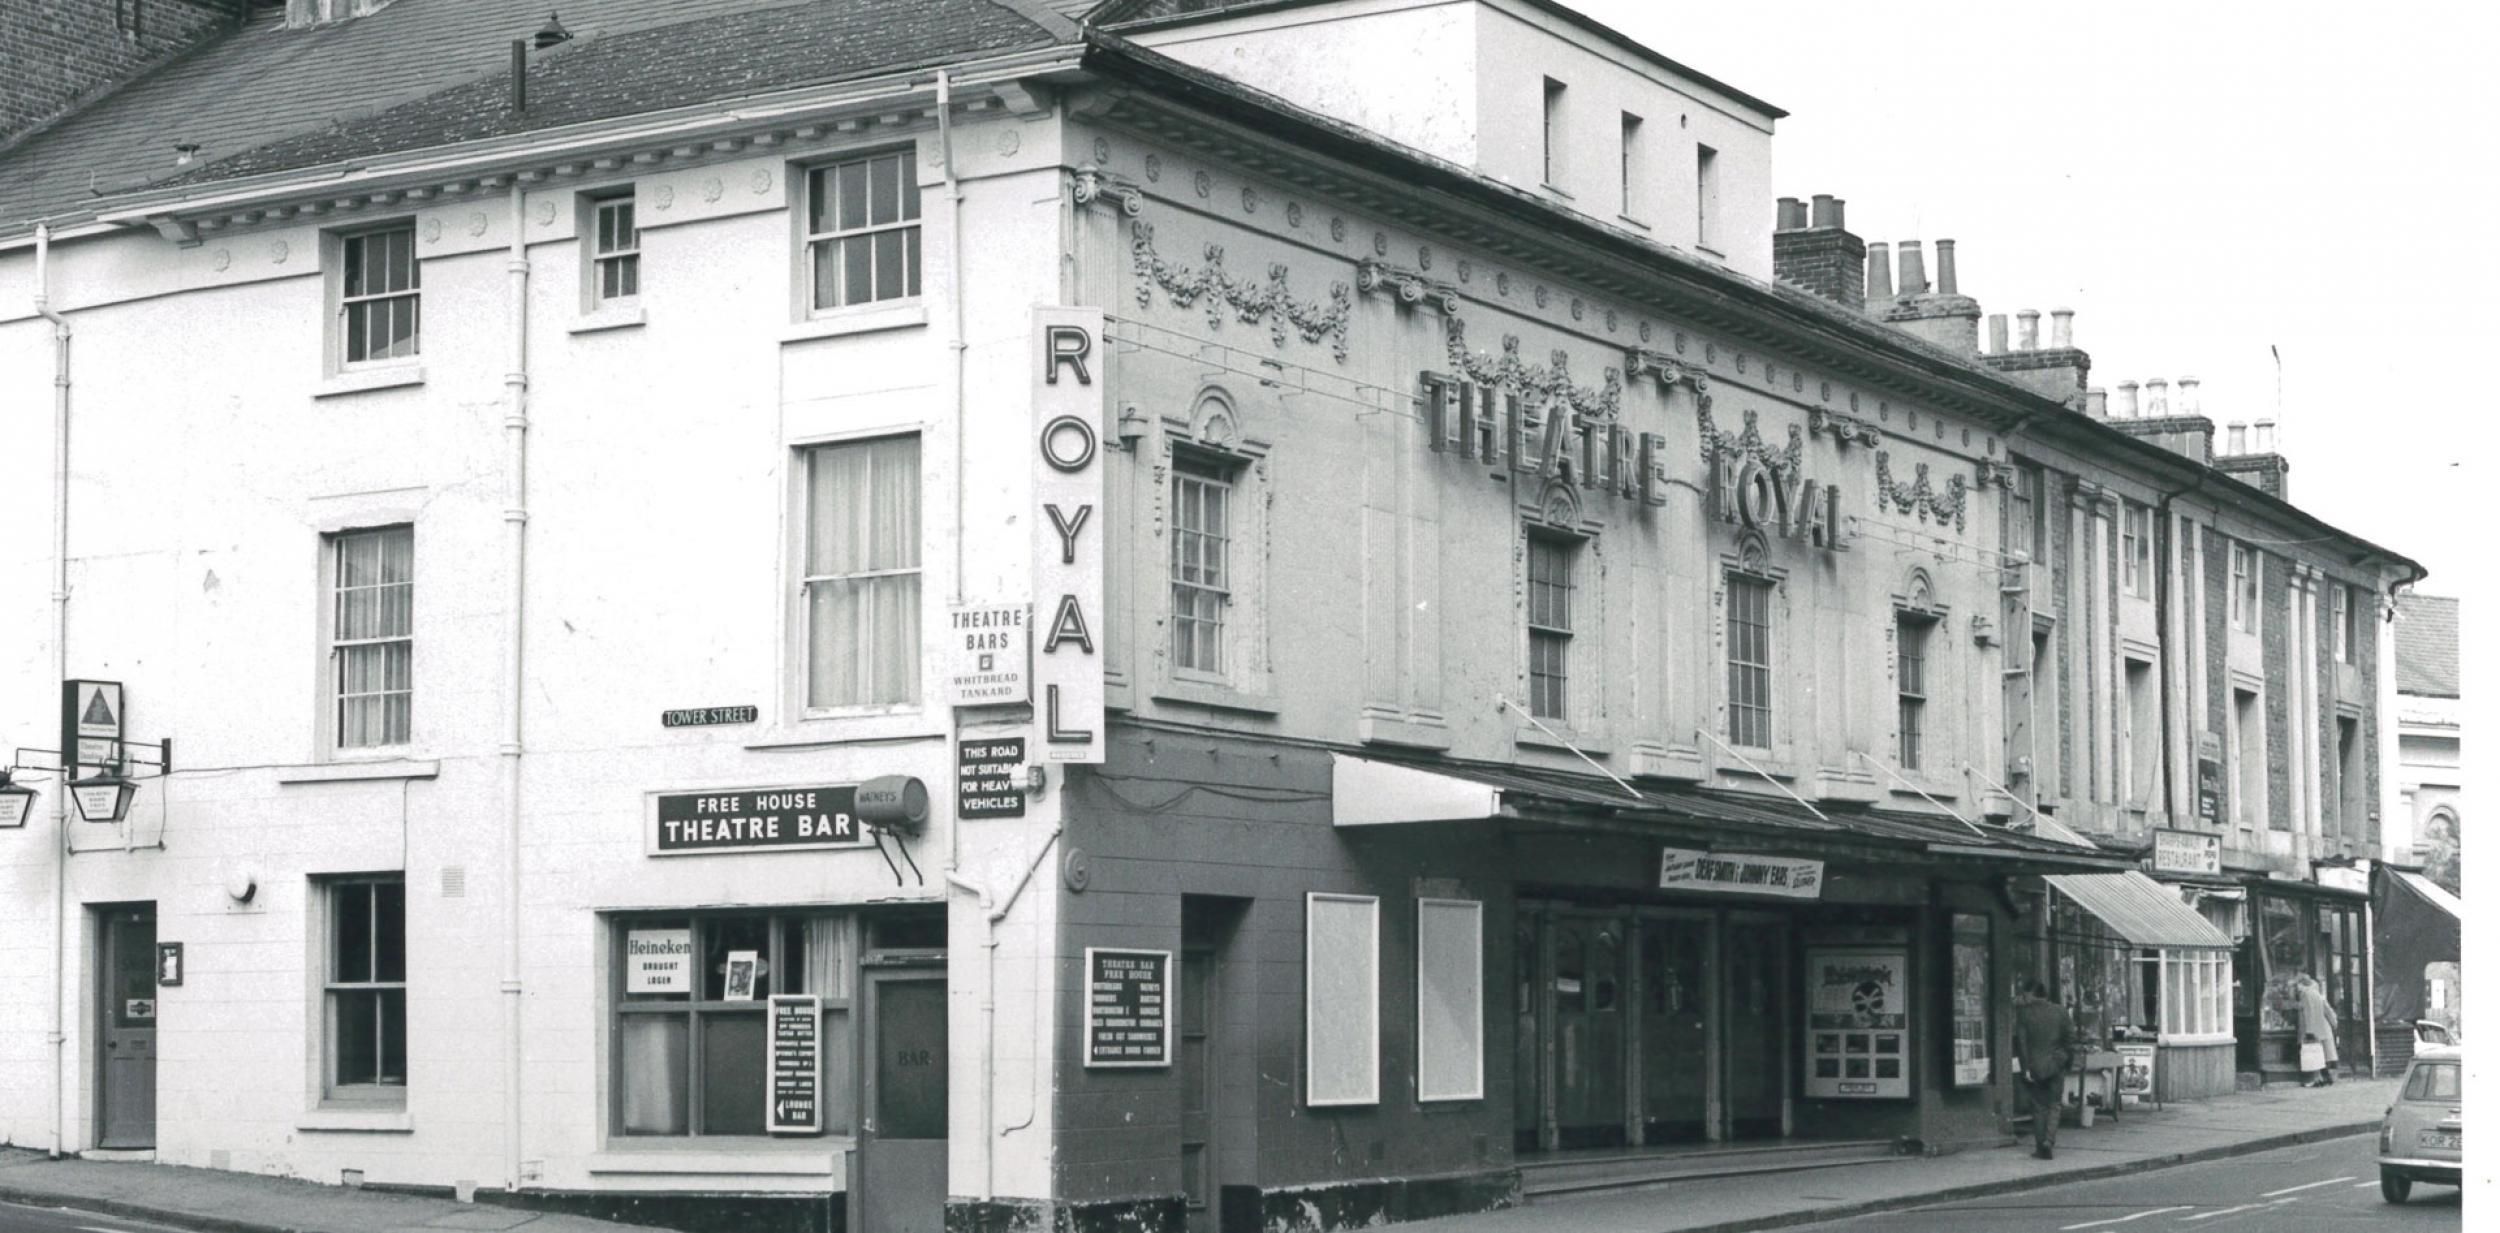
(2286, 946)
(2196, 993)
(690, 994)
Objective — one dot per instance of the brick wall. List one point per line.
(60, 52)
(2275, 626)
(2061, 568)
(2217, 558)
(1828, 261)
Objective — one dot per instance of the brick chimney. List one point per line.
(2178, 427)
(1942, 314)
(1817, 253)
(2060, 370)
(60, 54)
(2269, 471)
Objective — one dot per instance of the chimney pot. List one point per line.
(1996, 333)
(2126, 400)
(2096, 402)
(2061, 328)
(2265, 436)
(2027, 336)
(2157, 398)
(2235, 439)
(1826, 210)
(1792, 214)
(1878, 271)
(1913, 269)
(2190, 403)
(1946, 281)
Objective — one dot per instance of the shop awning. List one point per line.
(2432, 893)
(1375, 791)
(2141, 910)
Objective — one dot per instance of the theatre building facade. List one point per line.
(1156, 631)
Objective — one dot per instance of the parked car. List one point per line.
(2423, 1136)
(2431, 1032)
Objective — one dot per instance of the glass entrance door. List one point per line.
(1675, 993)
(1588, 1032)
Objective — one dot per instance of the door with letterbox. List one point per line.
(126, 1090)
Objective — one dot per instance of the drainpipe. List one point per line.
(60, 672)
(516, 384)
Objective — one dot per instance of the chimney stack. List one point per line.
(1879, 271)
(1996, 333)
(1817, 253)
(1913, 269)
(2265, 436)
(2126, 401)
(2027, 337)
(2061, 328)
(1946, 282)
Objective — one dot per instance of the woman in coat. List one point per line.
(2317, 1023)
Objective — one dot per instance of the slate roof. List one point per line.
(424, 72)
(2426, 645)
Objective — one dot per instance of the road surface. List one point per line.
(15, 1218)
(2329, 1186)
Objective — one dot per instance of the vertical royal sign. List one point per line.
(1068, 531)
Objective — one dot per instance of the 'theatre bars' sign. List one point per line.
(1128, 1007)
(1067, 549)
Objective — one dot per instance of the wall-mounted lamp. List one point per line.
(16, 801)
(103, 797)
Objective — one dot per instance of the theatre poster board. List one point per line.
(1857, 1035)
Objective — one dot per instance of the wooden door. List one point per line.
(1754, 992)
(902, 1134)
(126, 1115)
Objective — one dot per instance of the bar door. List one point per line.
(126, 1112)
(902, 1140)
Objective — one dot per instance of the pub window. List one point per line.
(863, 231)
(2243, 588)
(1449, 999)
(2346, 635)
(1341, 999)
(1910, 630)
(861, 587)
(1550, 560)
(1202, 575)
(689, 1030)
(1749, 661)
(372, 636)
(378, 295)
(364, 1000)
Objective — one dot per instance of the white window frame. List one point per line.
(1566, 549)
(599, 255)
(1215, 480)
(1556, 165)
(1472, 1015)
(1769, 664)
(1368, 1092)
(345, 301)
(2136, 530)
(334, 1092)
(1910, 729)
(1705, 195)
(2346, 630)
(803, 615)
(1635, 165)
(2195, 997)
(334, 646)
(2245, 587)
(814, 245)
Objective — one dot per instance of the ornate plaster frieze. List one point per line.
(1845, 430)
(1920, 496)
(1991, 471)
(1748, 445)
(1252, 300)
(1093, 184)
(1410, 287)
(1639, 362)
(1536, 382)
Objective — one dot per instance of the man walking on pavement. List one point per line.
(2317, 1028)
(2045, 1041)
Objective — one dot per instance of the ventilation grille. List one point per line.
(455, 881)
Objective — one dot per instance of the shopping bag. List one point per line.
(2312, 1055)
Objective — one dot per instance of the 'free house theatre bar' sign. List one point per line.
(760, 819)
(1128, 1007)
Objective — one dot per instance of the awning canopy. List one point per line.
(1373, 791)
(2141, 910)
(2432, 893)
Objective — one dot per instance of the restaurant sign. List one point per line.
(2177, 851)
(1685, 869)
(756, 820)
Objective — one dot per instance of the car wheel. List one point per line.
(2394, 1186)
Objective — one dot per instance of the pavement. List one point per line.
(2140, 1140)
(219, 1201)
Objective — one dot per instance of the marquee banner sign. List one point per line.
(1684, 869)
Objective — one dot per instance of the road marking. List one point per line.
(2224, 1211)
(2311, 1186)
(2094, 1224)
(2364, 1185)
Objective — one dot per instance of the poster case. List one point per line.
(1972, 1066)
(1857, 1036)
